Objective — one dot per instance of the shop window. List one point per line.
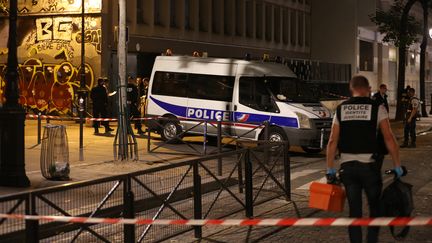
(249, 19)
(259, 20)
(269, 22)
(286, 26)
(366, 56)
(277, 24)
(293, 27)
(300, 28)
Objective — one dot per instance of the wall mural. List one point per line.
(49, 54)
(43, 7)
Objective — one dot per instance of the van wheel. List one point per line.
(276, 134)
(169, 132)
(311, 150)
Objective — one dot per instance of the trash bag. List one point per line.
(397, 201)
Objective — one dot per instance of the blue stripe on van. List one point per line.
(181, 111)
(174, 109)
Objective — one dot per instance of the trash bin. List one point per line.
(55, 153)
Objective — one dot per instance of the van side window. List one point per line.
(211, 87)
(255, 94)
(170, 84)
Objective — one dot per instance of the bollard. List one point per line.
(31, 226)
(322, 138)
(248, 185)
(239, 170)
(128, 211)
(267, 138)
(266, 131)
(148, 139)
(197, 199)
(430, 112)
(219, 146)
(39, 124)
(205, 138)
(287, 170)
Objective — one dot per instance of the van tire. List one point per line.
(311, 150)
(169, 130)
(277, 134)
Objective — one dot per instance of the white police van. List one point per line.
(240, 93)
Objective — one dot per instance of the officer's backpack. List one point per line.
(397, 201)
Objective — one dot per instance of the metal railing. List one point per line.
(186, 190)
(220, 132)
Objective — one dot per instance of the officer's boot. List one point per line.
(405, 144)
(108, 129)
(96, 131)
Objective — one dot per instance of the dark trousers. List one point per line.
(358, 177)
(99, 112)
(410, 131)
(134, 112)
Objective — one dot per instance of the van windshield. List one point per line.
(291, 89)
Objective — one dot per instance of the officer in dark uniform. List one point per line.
(133, 101)
(411, 119)
(99, 97)
(381, 96)
(381, 99)
(354, 133)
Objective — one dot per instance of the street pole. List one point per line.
(83, 91)
(123, 125)
(12, 116)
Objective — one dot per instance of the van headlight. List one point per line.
(304, 120)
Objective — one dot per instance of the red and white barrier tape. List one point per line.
(412, 221)
(45, 117)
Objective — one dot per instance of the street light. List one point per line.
(12, 116)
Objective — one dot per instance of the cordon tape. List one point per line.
(408, 221)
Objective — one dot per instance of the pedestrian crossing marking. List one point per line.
(307, 185)
(298, 174)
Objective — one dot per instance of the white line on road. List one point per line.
(307, 185)
(298, 174)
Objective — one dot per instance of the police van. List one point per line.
(242, 94)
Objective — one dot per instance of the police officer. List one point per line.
(99, 97)
(411, 119)
(132, 101)
(354, 133)
(381, 98)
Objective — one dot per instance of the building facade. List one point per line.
(222, 28)
(343, 33)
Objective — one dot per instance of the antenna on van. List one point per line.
(248, 57)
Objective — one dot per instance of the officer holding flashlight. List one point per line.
(354, 133)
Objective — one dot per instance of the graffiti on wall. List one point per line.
(43, 7)
(49, 54)
(48, 87)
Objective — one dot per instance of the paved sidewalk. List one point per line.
(98, 156)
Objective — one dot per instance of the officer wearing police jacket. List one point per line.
(132, 101)
(354, 133)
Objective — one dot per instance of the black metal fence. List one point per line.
(210, 130)
(255, 173)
